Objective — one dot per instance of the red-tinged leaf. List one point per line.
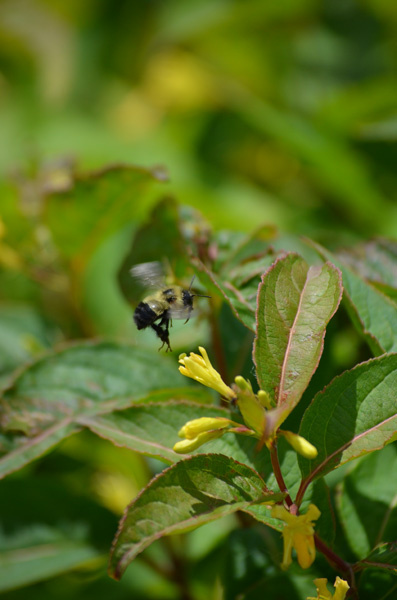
(355, 414)
(295, 303)
(188, 494)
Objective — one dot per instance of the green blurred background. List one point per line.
(259, 111)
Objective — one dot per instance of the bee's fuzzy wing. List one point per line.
(149, 274)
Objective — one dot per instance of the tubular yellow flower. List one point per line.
(254, 414)
(265, 399)
(299, 444)
(199, 431)
(200, 368)
(298, 533)
(186, 446)
(341, 587)
(193, 428)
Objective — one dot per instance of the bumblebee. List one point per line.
(158, 309)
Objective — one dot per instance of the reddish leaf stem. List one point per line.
(301, 492)
(277, 472)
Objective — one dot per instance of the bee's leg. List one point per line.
(166, 321)
(189, 314)
(163, 335)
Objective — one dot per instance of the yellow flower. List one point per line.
(199, 431)
(254, 414)
(265, 399)
(341, 587)
(193, 428)
(186, 446)
(298, 533)
(254, 408)
(200, 368)
(299, 444)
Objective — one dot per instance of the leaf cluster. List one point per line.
(274, 306)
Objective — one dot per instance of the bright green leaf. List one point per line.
(355, 414)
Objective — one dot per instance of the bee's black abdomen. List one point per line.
(144, 315)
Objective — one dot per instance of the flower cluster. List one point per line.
(298, 531)
(253, 407)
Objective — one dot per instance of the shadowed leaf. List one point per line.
(370, 490)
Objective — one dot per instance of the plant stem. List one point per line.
(301, 492)
(277, 472)
(337, 563)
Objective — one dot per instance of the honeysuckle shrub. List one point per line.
(280, 420)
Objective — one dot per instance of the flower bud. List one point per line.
(188, 445)
(193, 428)
(300, 445)
(265, 399)
(253, 412)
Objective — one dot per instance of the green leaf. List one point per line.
(152, 429)
(156, 240)
(373, 313)
(243, 309)
(111, 194)
(21, 450)
(375, 261)
(384, 556)
(355, 414)
(352, 191)
(52, 533)
(295, 303)
(367, 502)
(23, 333)
(234, 275)
(246, 562)
(38, 562)
(191, 492)
(45, 402)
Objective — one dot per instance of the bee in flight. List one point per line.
(164, 304)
